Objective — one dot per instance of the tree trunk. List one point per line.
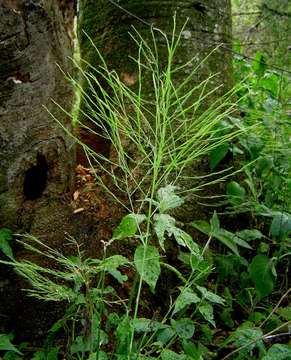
(209, 25)
(35, 155)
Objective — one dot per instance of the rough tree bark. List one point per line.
(209, 25)
(36, 157)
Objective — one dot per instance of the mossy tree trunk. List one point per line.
(36, 157)
(209, 25)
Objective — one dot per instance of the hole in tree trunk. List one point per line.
(35, 179)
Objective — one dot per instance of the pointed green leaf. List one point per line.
(246, 336)
(261, 274)
(171, 355)
(285, 312)
(220, 235)
(209, 295)
(168, 199)
(186, 297)
(232, 238)
(218, 154)
(207, 312)
(259, 64)
(236, 193)
(278, 352)
(281, 225)
(184, 239)
(5, 239)
(118, 276)
(113, 262)
(165, 335)
(163, 223)
(202, 226)
(143, 325)
(249, 235)
(184, 328)
(147, 263)
(6, 345)
(128, 226)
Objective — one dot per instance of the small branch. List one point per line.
(276, 307)
(274, 11)
(246, 13)
(266, 336)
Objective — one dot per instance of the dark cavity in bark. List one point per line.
(35, 179)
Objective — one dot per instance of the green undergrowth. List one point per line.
(228, 297)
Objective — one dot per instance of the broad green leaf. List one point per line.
(184, 239)
(5, 239)
(79, 345)
(101, 356)
(52, 353)
(254, 145)
(186, 297)
(202, 226)
(271, 83)
(143, 325)
(261, 274)
(278, 352)
(218, 154)
(210, 295)
(128, 226)
(221, 235)
(113, 262)
(225, 316)
(167, 198)
(264, 164)
(245, 336)
(6, 345)
(259, 64)
(227, 241)
(233, 238)
(171, 355)
(123, 336)
(39, 355)
(165, 335)
(249, 235)
(195, 352)
(281, 225)
(184, 328)
(147, 263)
(285, 313)
(163, 223)
(236, 193)
(10, 355)
(118, 275)
(207, 312)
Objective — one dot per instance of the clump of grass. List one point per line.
(154, 137)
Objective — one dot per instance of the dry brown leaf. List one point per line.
(76, 195)
(78, 210)
(128, 79)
